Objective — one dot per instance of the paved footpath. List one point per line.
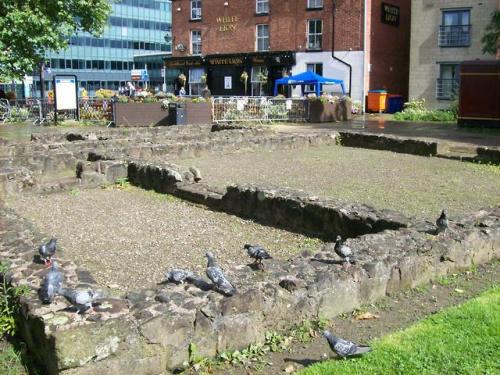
(375, 124)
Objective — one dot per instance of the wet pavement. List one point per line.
(369, 123)
(382, 124)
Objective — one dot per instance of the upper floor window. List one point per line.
(455, 28)
(314, 4)
(196, 42)
(262, 6)
(448, 82)
(314, 34)
(262, 38)
(196, 9)
(315, 68)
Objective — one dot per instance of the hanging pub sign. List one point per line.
(390, 14)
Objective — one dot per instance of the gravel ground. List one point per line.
(414, 185)
(128, 238)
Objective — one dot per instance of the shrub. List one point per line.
(104, 94)
(415, 110)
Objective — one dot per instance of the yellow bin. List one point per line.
(377, 100)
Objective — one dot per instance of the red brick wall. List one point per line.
(287, 20)
(389, 52)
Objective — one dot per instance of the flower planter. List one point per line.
(140, 114)
(198, 113)
(151, 114)
(329, 112)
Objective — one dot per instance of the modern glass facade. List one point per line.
(140, 28)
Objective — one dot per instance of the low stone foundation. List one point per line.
(149, 331)
(388, 143)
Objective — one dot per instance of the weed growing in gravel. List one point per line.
(274, 342)
(74, 192)
(448, 280)
(310, 243)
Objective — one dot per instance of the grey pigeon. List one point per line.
(51, 284)
(257, 252)
(343, 251)
(343, 347)
(217, 277)
(442, 222)
(48, 250)
(178, 276)
(81, 299)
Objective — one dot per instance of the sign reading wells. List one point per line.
(390, 14)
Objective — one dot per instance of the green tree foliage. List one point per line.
(29, 28)
(491, 36)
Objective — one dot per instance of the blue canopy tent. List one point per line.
(308, 78)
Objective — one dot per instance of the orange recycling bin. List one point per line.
(377, 100)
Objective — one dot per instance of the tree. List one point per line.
(491, 37)
(30, 28)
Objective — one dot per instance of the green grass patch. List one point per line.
(459, 340)
(10, 360)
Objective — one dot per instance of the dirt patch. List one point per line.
(128, 238)
(414, 185)
(395, 313)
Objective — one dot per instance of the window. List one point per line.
(314, 4)
(262, 6)
(314, 34)
(196, 83)
(196, 9)
(258, 80)
(315, 68)
(448, 81)
(262, 38)
(455, 28)
(196, 42)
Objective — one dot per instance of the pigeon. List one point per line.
(51, 284)
(215, 274)
(343, 347)
(344, 251)
(442, 222)
(178, 276)
(81, 299)
(47, 251)
(257, 252)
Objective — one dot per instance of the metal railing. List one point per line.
(43, 111)
(259, 109)
(447, 89)
(454, 36)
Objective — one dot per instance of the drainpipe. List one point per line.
(333, 48)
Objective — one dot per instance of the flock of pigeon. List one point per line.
(80, 299)
(83, 299)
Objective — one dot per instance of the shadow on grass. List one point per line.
(26, 358)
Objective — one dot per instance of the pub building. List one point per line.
(240, 47)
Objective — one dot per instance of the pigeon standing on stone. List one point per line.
(81, 299)
(47, 251)
(178, 276)
(442, 222)
(343, 347)
(215, 274)
(257, 252)
(344, 251)
(51, 284)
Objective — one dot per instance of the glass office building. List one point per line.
(137, 36)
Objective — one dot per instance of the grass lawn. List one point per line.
(10, 360)
(461, 340)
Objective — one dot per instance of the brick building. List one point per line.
(216, 41)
